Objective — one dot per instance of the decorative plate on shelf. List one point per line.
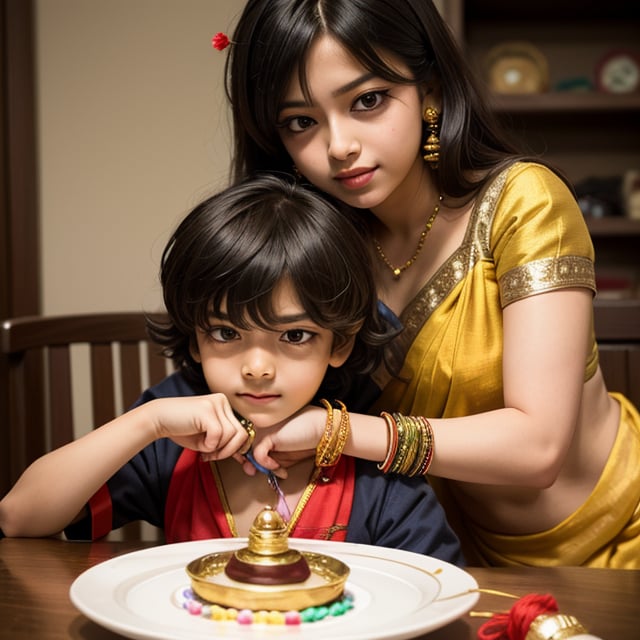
(396, 594)
(619, 72)
(517, 67)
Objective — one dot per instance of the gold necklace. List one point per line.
(397, 271)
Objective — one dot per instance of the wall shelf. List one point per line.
(586, 133)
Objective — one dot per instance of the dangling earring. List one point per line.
(297, 173)
(432, 146)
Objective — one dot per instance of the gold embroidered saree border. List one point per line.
(474, 247)
(547, 274)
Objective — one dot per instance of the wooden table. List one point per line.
(35, 576)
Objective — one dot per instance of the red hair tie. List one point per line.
(220, 41)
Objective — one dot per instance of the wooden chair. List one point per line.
(42, 367)
(617, 326)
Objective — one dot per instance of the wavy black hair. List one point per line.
(235, 247)
(272, 40)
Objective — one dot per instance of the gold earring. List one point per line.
(432, 146)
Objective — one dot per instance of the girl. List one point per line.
(483, 257)
(270, 305)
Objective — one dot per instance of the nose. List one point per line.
(258, 365)
(342, 140)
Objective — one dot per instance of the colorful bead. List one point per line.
(196, 606)
(245, 616)
(275, 617)
(292, 618)
(218, 612)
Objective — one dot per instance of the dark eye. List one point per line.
(298, 123)
(297, 336)
(369, 100)
(223, 334)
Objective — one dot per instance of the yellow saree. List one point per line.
(526, 235)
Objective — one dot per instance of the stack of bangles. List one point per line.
(334, 438)
(411, 445)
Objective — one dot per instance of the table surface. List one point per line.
(35, 576)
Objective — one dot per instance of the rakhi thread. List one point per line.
(515, 624)
(282, 507)
(533, 617)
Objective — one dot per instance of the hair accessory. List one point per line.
(333, 440)
(397, 271)
(220, 41)
(432, 146)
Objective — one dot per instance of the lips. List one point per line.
(256, 398)
(355, 178)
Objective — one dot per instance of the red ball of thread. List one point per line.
(515, 624)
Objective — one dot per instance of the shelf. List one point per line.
(613, 226)
(565, 102)
(547, 10)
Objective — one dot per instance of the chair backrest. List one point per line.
(41, 366)
(617, 326)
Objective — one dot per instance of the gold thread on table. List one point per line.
(491, 592)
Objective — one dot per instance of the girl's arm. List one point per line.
(546, 342)
(54, 489)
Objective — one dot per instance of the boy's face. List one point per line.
(269, 375)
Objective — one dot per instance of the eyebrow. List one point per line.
(365, 77)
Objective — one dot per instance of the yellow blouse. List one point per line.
(526, 235)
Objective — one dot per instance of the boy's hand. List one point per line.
(289, 442)
(201, 423)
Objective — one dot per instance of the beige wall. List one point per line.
(133, 131)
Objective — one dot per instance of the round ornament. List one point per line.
(619, 72)
(517, 67)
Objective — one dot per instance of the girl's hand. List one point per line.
(201, 423)
(289, 442)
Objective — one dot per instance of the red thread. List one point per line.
(515, 624)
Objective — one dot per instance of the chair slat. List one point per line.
(130, 373)
(35, 426)
(60, 394)
(102, 385)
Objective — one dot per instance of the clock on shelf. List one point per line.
(618, 72)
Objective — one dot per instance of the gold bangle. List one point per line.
(412, 451)
(392, 442)
(325, 440)
(428, 457)
(333, 440)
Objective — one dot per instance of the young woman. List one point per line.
(481, 255)
(271, 304)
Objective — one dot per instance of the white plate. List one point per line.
(397, 594)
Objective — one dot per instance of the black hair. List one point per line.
(236, 246)
(272, 40)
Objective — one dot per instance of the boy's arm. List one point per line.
(55, 488)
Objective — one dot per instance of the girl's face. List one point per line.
(360, 137)
(268, 375)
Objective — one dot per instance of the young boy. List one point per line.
(271, 307)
